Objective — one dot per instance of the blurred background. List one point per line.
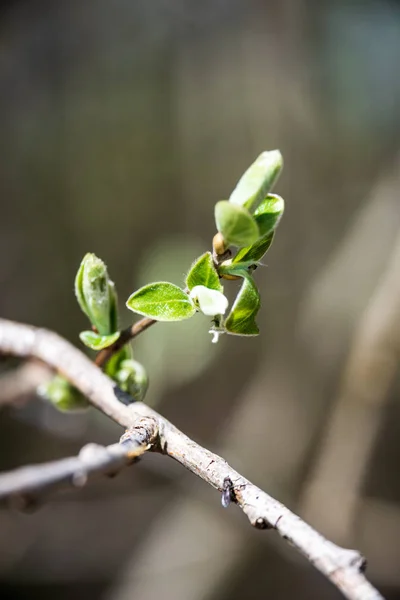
(122, 123)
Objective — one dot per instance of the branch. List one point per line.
(126, 336)
(341, 566)
(23, 487)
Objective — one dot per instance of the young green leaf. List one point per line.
(203, 272)
(79, 288)
(241, 319)
(258, 180)
(95, 293)
(95, 341)
(268, 214)
(254, 253)
(113, 306)
(132, 378)
(236, 224)
(62, 394)
(162, 301)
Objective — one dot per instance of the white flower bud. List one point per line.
(211, 302)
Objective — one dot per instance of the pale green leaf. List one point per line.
(62, 394)
(95, 341)
(203, 272)
(95, 293)
(162, 301)
(236, 224)
(258, 180)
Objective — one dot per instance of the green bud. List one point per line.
(258, 180)
(96, 294)
(132, 378)
(62, 394)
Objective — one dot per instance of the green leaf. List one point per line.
(62, 394)
(132, 378)
(253, 254)
(162, 301)
(79, 288)
(203, 272)
(95, 341)
(258, 180)
(113, 306)
(95, 293)
(267, 216)
(236, 224)
(241, 319)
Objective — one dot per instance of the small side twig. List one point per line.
(126, 336)
(343, 567)
(25, 486)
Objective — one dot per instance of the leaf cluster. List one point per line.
(246, 225)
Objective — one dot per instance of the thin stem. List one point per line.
(126, 336)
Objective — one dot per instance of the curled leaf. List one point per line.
(258, 180)
(95, 341)
(241, 319)
(96, 295)
(162, 301)
(267, 216)
(254, 253)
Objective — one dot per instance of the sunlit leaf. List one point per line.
(95, 341)
(235, 224)
(95, 293)
(268, 214)
(162, 301)
(258, 180)
(203, 272)
(241, 319)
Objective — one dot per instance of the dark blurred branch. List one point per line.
(24, 486)
(341, 566)
(126, 336)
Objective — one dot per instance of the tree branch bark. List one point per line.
(146, 429)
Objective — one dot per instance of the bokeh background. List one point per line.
(122, 123)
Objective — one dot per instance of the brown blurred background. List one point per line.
(122, 123)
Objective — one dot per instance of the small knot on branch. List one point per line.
(144, 432)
